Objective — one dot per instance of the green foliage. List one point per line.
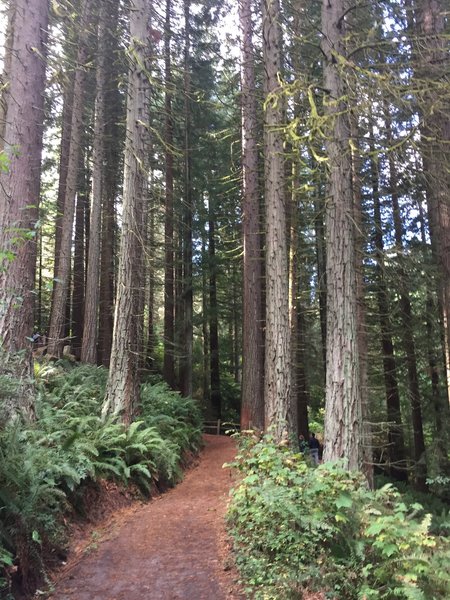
(43, 464)
(296, 527)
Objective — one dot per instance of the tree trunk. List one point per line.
(122, 390)
(151, 333)
(58, 310)
(407, 322)
(432, 67)
(90, 330)
(213, 320)
(169, 300)
(438, 394)
(321, 258)
(206, 379)
(396, 446)
(360, 236)
(343, 410)
(114, 142)
(187, 292)
(79, 258)
(278, 359)
(252, 405)
(19, 193)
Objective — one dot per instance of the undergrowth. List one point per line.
(298, 528)
(43, 465)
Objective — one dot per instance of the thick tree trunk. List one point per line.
(278, 358)
(5, 79)
(58, 310)
(252, 406)
(114, 141)
(122, 390)
(20, 191)
(343, 408)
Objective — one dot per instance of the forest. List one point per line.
(239, 213)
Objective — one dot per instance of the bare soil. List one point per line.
(172, 548)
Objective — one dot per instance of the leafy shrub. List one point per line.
(296, 527)
(177, 419)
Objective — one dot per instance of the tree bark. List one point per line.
(169, 300)
(343, 408)
(79, 257)
(216, 400)
(278, 359)
(432, 56)
(122, 390)
(58, 310)
(185, 363)
(20, 191)
(252, 405)
(90, 330)
(407, 323)
(396, 446)
(114, 142)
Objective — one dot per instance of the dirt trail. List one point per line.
(173, 548)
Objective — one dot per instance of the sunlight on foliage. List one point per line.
(298, 528)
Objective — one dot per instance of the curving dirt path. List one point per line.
(173, 548)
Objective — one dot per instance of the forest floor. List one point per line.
(174, 547)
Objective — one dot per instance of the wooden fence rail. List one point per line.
(220, 427)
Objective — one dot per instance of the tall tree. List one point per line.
(169, 300)
(61, 283)
(113, 149)
(215, 396)
(90, 330)
(406, 316)
(396, 448)
(252, 407)
(277, 382)
(432, 65)
(122, 390)
(343, 410)
(185, 363)
(23, 114)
